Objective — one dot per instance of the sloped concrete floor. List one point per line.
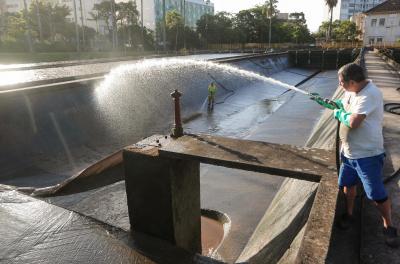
(242, 195)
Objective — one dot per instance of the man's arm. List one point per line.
(356, 120)
(349, 119)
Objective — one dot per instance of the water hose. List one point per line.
(393, 108)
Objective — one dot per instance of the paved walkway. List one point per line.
(373, 249)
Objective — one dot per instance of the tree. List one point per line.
(341, 30)
(2, 18)
(298, 16)
(249, 25)
(270, 9)
(295, 29)
(104, 12)
(216, 28)
(127, 16)
(174, 22)
(346, 31)
(48, 21)
(331, 4)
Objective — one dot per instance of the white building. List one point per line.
(381, 24)
(87, 6)
(350, 7)
(345, 9)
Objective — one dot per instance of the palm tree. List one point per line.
(164, 32)
(173, 22)
(331, 4)
(78, 47)
(270, 10)
(141, 20)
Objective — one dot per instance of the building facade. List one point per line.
(381, 24)
(348, 8)
(191, 10)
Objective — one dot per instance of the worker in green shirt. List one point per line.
(212, 90)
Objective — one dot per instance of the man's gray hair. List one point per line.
(352, 72)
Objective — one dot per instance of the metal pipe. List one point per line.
(177, 130)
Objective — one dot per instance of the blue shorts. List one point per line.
(369, 171)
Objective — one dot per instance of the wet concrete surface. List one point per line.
(65, 236)
(38, 232)
(248, 113)
(226, 190)
(373, 248)
(51, 134)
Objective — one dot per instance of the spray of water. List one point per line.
(173, 64)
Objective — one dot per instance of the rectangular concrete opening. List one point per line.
(163, 184)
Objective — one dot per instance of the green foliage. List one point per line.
(269, 9)
(341, 30)
(252, 26)
(216, 28)
(127, 22)
(174, 24)
(52, 30)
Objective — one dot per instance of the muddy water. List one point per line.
(212, 233)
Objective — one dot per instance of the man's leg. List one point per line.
(350, 194)
(347, 181)
(370, 172)
(386, 212)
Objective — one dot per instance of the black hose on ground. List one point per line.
(337, 145)
(393, 108)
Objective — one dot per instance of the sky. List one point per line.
(314, 10)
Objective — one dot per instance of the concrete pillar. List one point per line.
(163, 196)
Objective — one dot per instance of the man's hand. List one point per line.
(342, 116)
(337, 104)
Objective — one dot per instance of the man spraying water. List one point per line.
(362, 153)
